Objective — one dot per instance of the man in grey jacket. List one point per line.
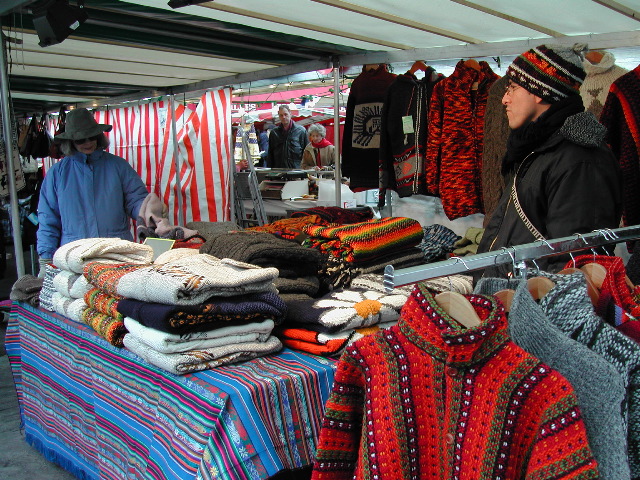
(286, 142)
(560, 176)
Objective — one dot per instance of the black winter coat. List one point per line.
(569, 184)
(285, 148)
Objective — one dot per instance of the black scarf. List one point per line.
(522, 141)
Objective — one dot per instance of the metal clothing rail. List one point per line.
(516, 255)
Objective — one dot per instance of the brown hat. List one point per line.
(81, 124)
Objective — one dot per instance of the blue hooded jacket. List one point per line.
(85, 197)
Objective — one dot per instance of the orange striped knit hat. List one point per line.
(551, 72)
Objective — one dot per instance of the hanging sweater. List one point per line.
(598, 385)
(454, 145)
(494, 147)
(403, 137)
(568, 306)
(596, 85)
(430, 399)
(361, 139)
(621, 115)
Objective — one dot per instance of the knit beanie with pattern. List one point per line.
(551, 72)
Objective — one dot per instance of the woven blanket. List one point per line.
(69, 307)
(171, 343)
(46, 294)
(366, 241)
(337, 214)
(362, 305)
(216, 313)
(71, 284)
(265, 250)
(109, 328)
(103, 302)
(197, 360)
(74, 255)
(27, 289)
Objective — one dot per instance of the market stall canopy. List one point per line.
(129, 49)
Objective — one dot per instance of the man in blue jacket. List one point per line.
(286, 142)
(89, 193)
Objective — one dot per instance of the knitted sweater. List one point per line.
(621, 115)
(599, 387)
(454, 145)
(361, 139)
(568, 306)
(402, 149)
(430, 399)
(496, 133)
(596, 85)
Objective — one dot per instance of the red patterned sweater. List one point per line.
(453, 163)
(430, 399)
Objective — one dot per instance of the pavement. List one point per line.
(18, 460)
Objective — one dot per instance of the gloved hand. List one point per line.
(43, 262)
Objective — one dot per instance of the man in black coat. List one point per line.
(561, 178)
(286, 142)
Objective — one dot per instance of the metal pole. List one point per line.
(8, 141)
(176, 159)
(336, 129)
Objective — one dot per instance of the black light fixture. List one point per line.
(185, 3)
(55, 20)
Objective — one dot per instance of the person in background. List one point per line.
(561, 177)
(319, 153)
(89, 193)
(263, 143)
(286, 142)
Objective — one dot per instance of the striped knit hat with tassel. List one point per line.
(551, 72)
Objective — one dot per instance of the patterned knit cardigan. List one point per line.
(595, 88)
(430, 399)
(568, 306)
(454, 143)
(621, 116)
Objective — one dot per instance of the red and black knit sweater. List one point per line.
(453, 164)
(428, 398)
(621, 116)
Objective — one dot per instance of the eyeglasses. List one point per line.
(511, 87)
(85, 140)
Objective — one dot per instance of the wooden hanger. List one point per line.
(592, 290)
(371, 66)
(459, 308)
(539, 286)
(596, 272)
(418, 65)
(506, 297)
(594, 56)
(472, 63)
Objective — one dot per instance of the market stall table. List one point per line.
(104, 413)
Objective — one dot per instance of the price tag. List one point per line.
(407, 124)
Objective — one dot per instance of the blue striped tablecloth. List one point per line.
(104, 413)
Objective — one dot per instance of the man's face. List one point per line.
(522, 106)
(285, 116)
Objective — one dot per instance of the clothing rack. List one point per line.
(515, 255)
